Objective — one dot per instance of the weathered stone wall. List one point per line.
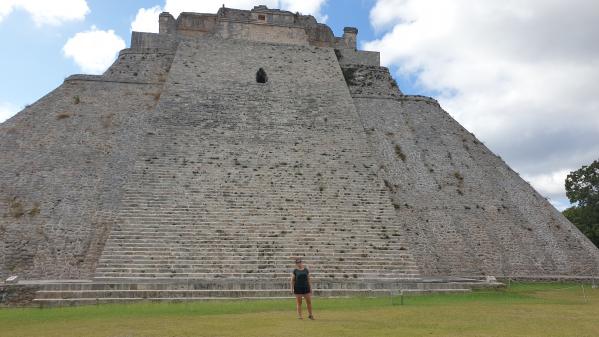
(370, 81)
(141, 40)
(260, 24)
(147, 65)
(63, 162)
(463, 209)
(12, 295)
(348, 57)
(261, 32)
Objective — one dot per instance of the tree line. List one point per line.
(582, 188)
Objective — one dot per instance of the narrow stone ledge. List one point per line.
(413, 98)
(100, 78)
(145, 51)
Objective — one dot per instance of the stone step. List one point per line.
(219, 211)
(251, 246)
(249, 220)
(201, 205)
(222, 213)
(254, 282)
(290, 234)
(217, 238)
(236, 264)
(284, 198)
(59, 302)
(227, 241)
(152, 181)
(194, 229)
(352, 204)
(229, 254)
(208, 275)
(283, 252)
(131, 229)
(195, 294)
(267, 243)
(322, 267)
(250, 212)
(122, 290)
(260, 269)
(246, 260)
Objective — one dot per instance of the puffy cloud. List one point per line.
(522, 75)
(94, 50)
(47, 12)
(146, 19)
(549, 184)
(211, 6)
(313, 7)
(7, 110)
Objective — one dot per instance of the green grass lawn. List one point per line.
(522, 310)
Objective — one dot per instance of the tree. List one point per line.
(582, 188)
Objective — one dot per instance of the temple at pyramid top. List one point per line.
(259, 24)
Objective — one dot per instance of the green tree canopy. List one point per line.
(582, 188)
(582, 185)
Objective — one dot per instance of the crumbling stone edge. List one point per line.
(18, 295)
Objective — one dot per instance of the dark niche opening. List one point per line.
(261, 76)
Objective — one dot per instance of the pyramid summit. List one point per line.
(211, 154)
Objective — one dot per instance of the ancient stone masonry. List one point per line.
(209, 154)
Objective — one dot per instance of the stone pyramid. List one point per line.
(210, 154)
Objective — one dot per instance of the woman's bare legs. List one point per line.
(298, 305)
(309, 304)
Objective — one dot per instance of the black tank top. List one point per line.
(301, 278)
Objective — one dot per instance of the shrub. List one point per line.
(156, 95)
(399, 153)
(15, 208)
(63, 115)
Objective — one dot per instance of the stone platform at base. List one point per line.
(85, 292)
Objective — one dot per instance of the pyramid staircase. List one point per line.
(235, 180)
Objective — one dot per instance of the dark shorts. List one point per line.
(301, 290)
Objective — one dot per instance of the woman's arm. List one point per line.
(309, 282)
(292, 282)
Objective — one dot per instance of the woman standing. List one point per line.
(301, 287)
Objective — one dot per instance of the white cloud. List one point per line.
(94, 50)
(522, 75)
(7, 110)
(551, 184)
(313, 7)
(146, 19)
(43, 12)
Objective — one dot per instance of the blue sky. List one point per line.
(521, 75)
